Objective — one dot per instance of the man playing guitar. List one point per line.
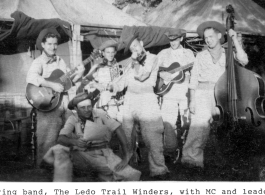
(176, 98)
(50, 123)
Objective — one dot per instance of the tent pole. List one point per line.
(76, 42)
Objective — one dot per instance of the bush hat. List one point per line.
(211, 24)
(81, 97)
(108, 43)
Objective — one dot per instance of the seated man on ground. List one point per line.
(83, 143)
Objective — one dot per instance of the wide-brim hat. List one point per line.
(43, 33)
(211, 24)
(108, 43)
(81, 97)
(174, 33)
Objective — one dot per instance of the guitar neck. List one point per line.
(88, 60)
(182, 68)
(85, 62)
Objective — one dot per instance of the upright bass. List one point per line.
(239, 92)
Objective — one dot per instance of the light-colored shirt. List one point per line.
(204, 70)
(183, 56)
(141, 82)
(101, 121)
(41, 68)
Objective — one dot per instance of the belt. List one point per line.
(91, 147)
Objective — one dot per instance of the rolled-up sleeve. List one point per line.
(242, 57)
(108, 121)
(190, 56)
(34, 74)
(194, 75)
(69, 126)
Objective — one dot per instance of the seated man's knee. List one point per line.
(57, 153)
(62, 163)
(61, 154)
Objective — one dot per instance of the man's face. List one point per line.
(84, 109)
(50, 46)
(212, 38)
(175, 44)
(109, 53)
(136, 48)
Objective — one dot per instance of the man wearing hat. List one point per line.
(209, 65)
(49, 123)
(140, 104)
(176, 98)
(104, 73)
(88, 133)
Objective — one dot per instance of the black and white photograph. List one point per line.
(143, 91)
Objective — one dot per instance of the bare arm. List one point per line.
(70, 142)
(192, 101)
(240, 54)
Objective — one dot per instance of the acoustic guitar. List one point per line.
(46, 99)
(163, 85)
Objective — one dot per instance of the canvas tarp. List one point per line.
(25, 31)
(55, 13)
(188, 14)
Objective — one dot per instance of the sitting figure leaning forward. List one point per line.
(83, 144)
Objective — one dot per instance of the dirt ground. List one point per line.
(18, 168)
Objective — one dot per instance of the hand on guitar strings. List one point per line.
(78, 73)
(166, 76)
(57, 87)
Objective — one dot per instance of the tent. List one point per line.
(77, 21)
(188, 14)
(82, 12)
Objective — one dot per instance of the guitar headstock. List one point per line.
(95, 55)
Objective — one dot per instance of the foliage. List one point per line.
(145, 3)
(153, 3)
